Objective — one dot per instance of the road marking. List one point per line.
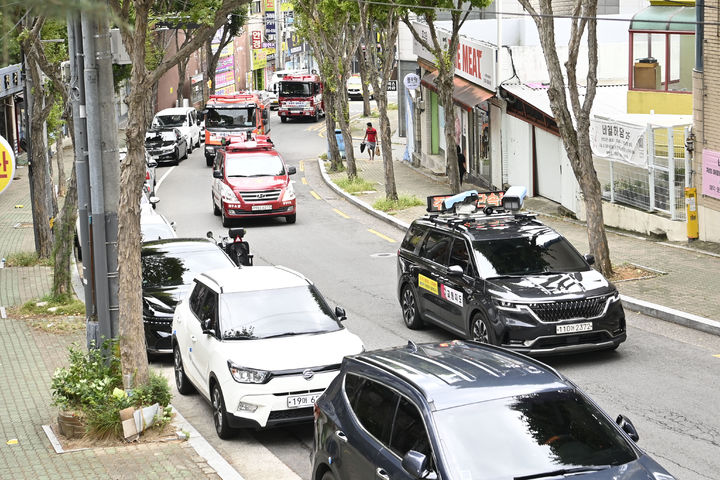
(157, 185)
(302, 165)
(340, 213)
(304, 180)
(716, 356)
(317, 197)
(381, 235)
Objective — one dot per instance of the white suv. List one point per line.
(184, 119)
(260, 343)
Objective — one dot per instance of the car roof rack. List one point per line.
(243, 142)
(457, 210)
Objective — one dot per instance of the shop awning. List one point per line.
(467, 94)
(664, 18)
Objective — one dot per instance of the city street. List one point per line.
(664, 378)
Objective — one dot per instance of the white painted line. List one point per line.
(3, 313)
(157, 185)
(206, 451)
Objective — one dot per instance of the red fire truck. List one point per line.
(230, 115)
(300, 96)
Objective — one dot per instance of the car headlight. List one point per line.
(289, 193)
(167, 148)
(505, 305)
(247, 375)
(227, 194)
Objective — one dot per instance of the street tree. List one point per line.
(225, 35)
(444, 48)
(135, 19)
(576, 135)
(381, 22)
(364, 79)
(331, 27)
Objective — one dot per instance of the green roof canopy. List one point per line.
(669, 18)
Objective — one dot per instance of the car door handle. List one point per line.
(341, 435)
(382, 474)
(193, 338)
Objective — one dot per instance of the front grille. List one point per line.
(565, 340)
(569, 309)
(290, 415)
(261, 196)
(260, 212)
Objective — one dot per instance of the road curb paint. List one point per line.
(317, 197)
(340, 213)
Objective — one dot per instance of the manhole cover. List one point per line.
(382, 255)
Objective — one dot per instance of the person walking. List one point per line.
(370, 140)
(462, 163)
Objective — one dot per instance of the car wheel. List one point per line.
(411, 314)
(481, 330)
(291, 218)
(226, 222)
(216, 210)
(283, 119)
(208, 161)
(197, 144)
(316, 118)
(189, 146)
(177, 156)
(220, 415)
(328, 475)
(181, 380)
(186, 152)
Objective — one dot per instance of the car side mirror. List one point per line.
(217, 174)
(206, 327)
(340, 313)
(154, 201)
(415, 463)
(292, 170)
(590, 259)
(152, 164)
(627, 426)
(210, 235)
(198, 122)
(275, 89)
(455, 271)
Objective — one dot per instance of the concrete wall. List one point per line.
(631, 219)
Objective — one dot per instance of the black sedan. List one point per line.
(464, 410)
(168, 268)
(166, 145)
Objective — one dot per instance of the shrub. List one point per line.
(60, 306)
(355, 185)
(403, 201)
(26, 259)
(157, 390)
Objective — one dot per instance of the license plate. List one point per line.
(574, 327)
(261, 207)
(298, 401)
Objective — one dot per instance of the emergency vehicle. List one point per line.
(300, 96)
(250, 179)
(235, 114)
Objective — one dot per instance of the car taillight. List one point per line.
(147, 175)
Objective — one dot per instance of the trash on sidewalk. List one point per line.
(12, 441)
(135, 420)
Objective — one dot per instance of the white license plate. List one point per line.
(261, 207)
(298, 401)
(574, 327)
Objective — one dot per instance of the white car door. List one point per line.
(203, 336)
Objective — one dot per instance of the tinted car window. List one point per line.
(164, 268)
(196, 298)
(208, 307)
(353, 385)
(544, 253)
(408, 432)
(275, 313)
(436, 247)
(249, 165)
(374, 408)
(459, 256)
(412, 237)
(529, 435)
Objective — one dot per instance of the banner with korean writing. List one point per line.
(711, 173)
(624, 142)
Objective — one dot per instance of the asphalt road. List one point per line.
(664, 378)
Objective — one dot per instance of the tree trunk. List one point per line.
(446, 79)
(65, 232)
(62, 181)
(341, 101)
(330, 115)
(364, 79)
(386, 147)
(182, 72)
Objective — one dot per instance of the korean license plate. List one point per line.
(261, 207)
(298, 401)
(574, 327)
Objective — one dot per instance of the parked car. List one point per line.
(166, 145)
(156, 227)
(502, 277)
(260, 343)
(252, 180)
(464, 410)
(168, 269)
(184, 119)
(354, 90)
(150, 180)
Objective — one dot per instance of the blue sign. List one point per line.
(270, 23)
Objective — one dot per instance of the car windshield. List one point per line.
(170, 120)
(529, 435)
(249, 165)
(274, 313)
(291, 89)
(547, 252)
(155, 231)
(162, 267)
(230, 117)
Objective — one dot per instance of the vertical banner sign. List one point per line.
(7, 164)
(710, 173)
(270, 17)
(256, 39)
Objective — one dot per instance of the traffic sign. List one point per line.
(392, 86)
(411, 81)
(7, 164)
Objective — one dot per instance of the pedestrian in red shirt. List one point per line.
(370, 140)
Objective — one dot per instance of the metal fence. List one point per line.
(658, 187)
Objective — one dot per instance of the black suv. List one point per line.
(506, 279)
(463, 410)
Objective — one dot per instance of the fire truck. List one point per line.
(300, 96)
(231, 115)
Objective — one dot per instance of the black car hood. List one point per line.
(574, 284)
(643, 468)
(162, 300)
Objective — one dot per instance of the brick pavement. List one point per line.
(27, 359)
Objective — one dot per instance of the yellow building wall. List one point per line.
(660, 102)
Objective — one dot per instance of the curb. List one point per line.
(660, 312)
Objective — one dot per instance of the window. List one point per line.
(436, 248)
(408, 432)
(662, 61)
(208, 308)
(374, 408)
(412, 237)
(196, 297)
(608, 7)
(459, 256)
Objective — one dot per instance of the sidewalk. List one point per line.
(686, 291)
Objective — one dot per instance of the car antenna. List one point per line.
(412, 347)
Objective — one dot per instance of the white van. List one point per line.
(184, 119)
(278, 75)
